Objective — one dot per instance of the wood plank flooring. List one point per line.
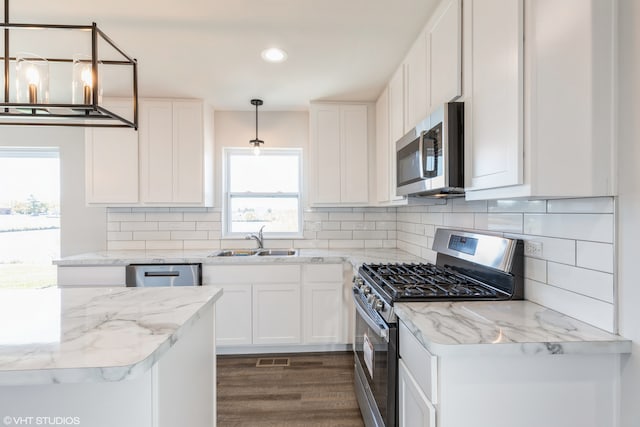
(315, 390)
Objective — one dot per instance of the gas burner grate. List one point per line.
(414, 281)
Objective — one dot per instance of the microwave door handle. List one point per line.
(433, 170)
(421, 154)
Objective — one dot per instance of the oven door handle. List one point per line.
(380, 328)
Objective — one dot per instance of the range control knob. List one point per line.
(366, 290)
(378, 304)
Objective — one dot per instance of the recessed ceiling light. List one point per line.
(274, 54)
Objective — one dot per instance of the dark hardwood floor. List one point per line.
(314, 390)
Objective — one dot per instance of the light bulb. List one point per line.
(86, 76)
(256, 150)
(32, 76)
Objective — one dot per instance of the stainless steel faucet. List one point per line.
(258, 237)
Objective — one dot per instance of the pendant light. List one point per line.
(37, 100)
(256, 142)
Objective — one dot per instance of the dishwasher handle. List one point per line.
(161, 273)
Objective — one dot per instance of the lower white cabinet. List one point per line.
(276, 305)
(415, 410)
(91, 276)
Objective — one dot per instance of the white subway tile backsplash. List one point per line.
(530, 206)
(412, 217)
(380, 216)
(535, 269)
(328, 235)
(125, 216)
(355, 225)
(164, 216)
(119, 235)
(373, 244)
(316, 216)
(433, 218)
(113, 226)
(591, 205)
(117, 245)
(164, 244)
(595, 284)
(596, 256)
(138, 226)
(330, 225)
(202, 216)
(312, 225)
(386, 225)
(373, 235)
(344, 244)
(189, 235)
(590, 310)
(346, 216)
(459, 220)
(311, 244)
(151, 235)
(505, 222)
(211, 245)
(591, 227)
(460, 205)
(207, 225)
(176, 226)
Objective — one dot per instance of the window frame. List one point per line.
(228, 195)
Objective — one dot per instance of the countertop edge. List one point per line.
(111, 373)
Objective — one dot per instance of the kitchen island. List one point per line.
(104, 357)
(505, 364)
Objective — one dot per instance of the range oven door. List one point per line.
(376, 366)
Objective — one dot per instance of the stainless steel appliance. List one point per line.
(469, 266)
(430, 157)
(163, 275)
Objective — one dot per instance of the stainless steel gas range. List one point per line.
(469, 266)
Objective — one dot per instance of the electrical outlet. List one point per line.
(533, 248)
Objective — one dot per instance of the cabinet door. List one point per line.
(414, 408)
(276, 314)
(396, 125)
(188, 152)
(156, 151)
(383, 174)
(111, 161)
(323, 313)
(355, 154)
(325, 129)
(234, 316)
(494, 107)
(445, 48)
(416, 83)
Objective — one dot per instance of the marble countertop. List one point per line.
(304, 256)
(503, 328)
(90, 335)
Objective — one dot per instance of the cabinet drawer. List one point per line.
(315, 273)
(422, 364)
(227, 274)
(91, 276)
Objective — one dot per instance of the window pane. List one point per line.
(278, 215)
(266, 173)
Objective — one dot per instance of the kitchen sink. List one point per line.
(252, 252)
(277, 252)
(237, 252)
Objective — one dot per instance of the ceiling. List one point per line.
(338, 49)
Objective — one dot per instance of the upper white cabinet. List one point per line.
(168, 162)
(339, 153)
(385, 174)
(444, 46)
(416, 83)
(173, 152)
(538, 99)
(111, 160)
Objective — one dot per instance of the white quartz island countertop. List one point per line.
(52, 336)
(503, 328)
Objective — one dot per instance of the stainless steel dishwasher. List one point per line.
(153, 275)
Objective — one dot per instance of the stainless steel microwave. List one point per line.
(430, 157)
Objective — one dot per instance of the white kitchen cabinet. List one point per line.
(546, 129)
(461, 389)
(260, 304)
(111, 160)
(416, 66)
(91, 276)
(339, 153)
(494, 121)
(396, 107)
(276, 313)
(385, 174)
(415, 410)
(324, 304)
(175, 152)
(444, 39)
(234, 315)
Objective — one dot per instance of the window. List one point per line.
(29, 216)
(263, 190)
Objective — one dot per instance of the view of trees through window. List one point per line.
(29, 216)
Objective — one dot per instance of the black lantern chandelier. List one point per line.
(256, 142)
(80, 78)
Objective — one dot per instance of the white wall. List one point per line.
(82, 229)
(629, 204)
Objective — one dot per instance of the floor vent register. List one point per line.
(271, 362)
